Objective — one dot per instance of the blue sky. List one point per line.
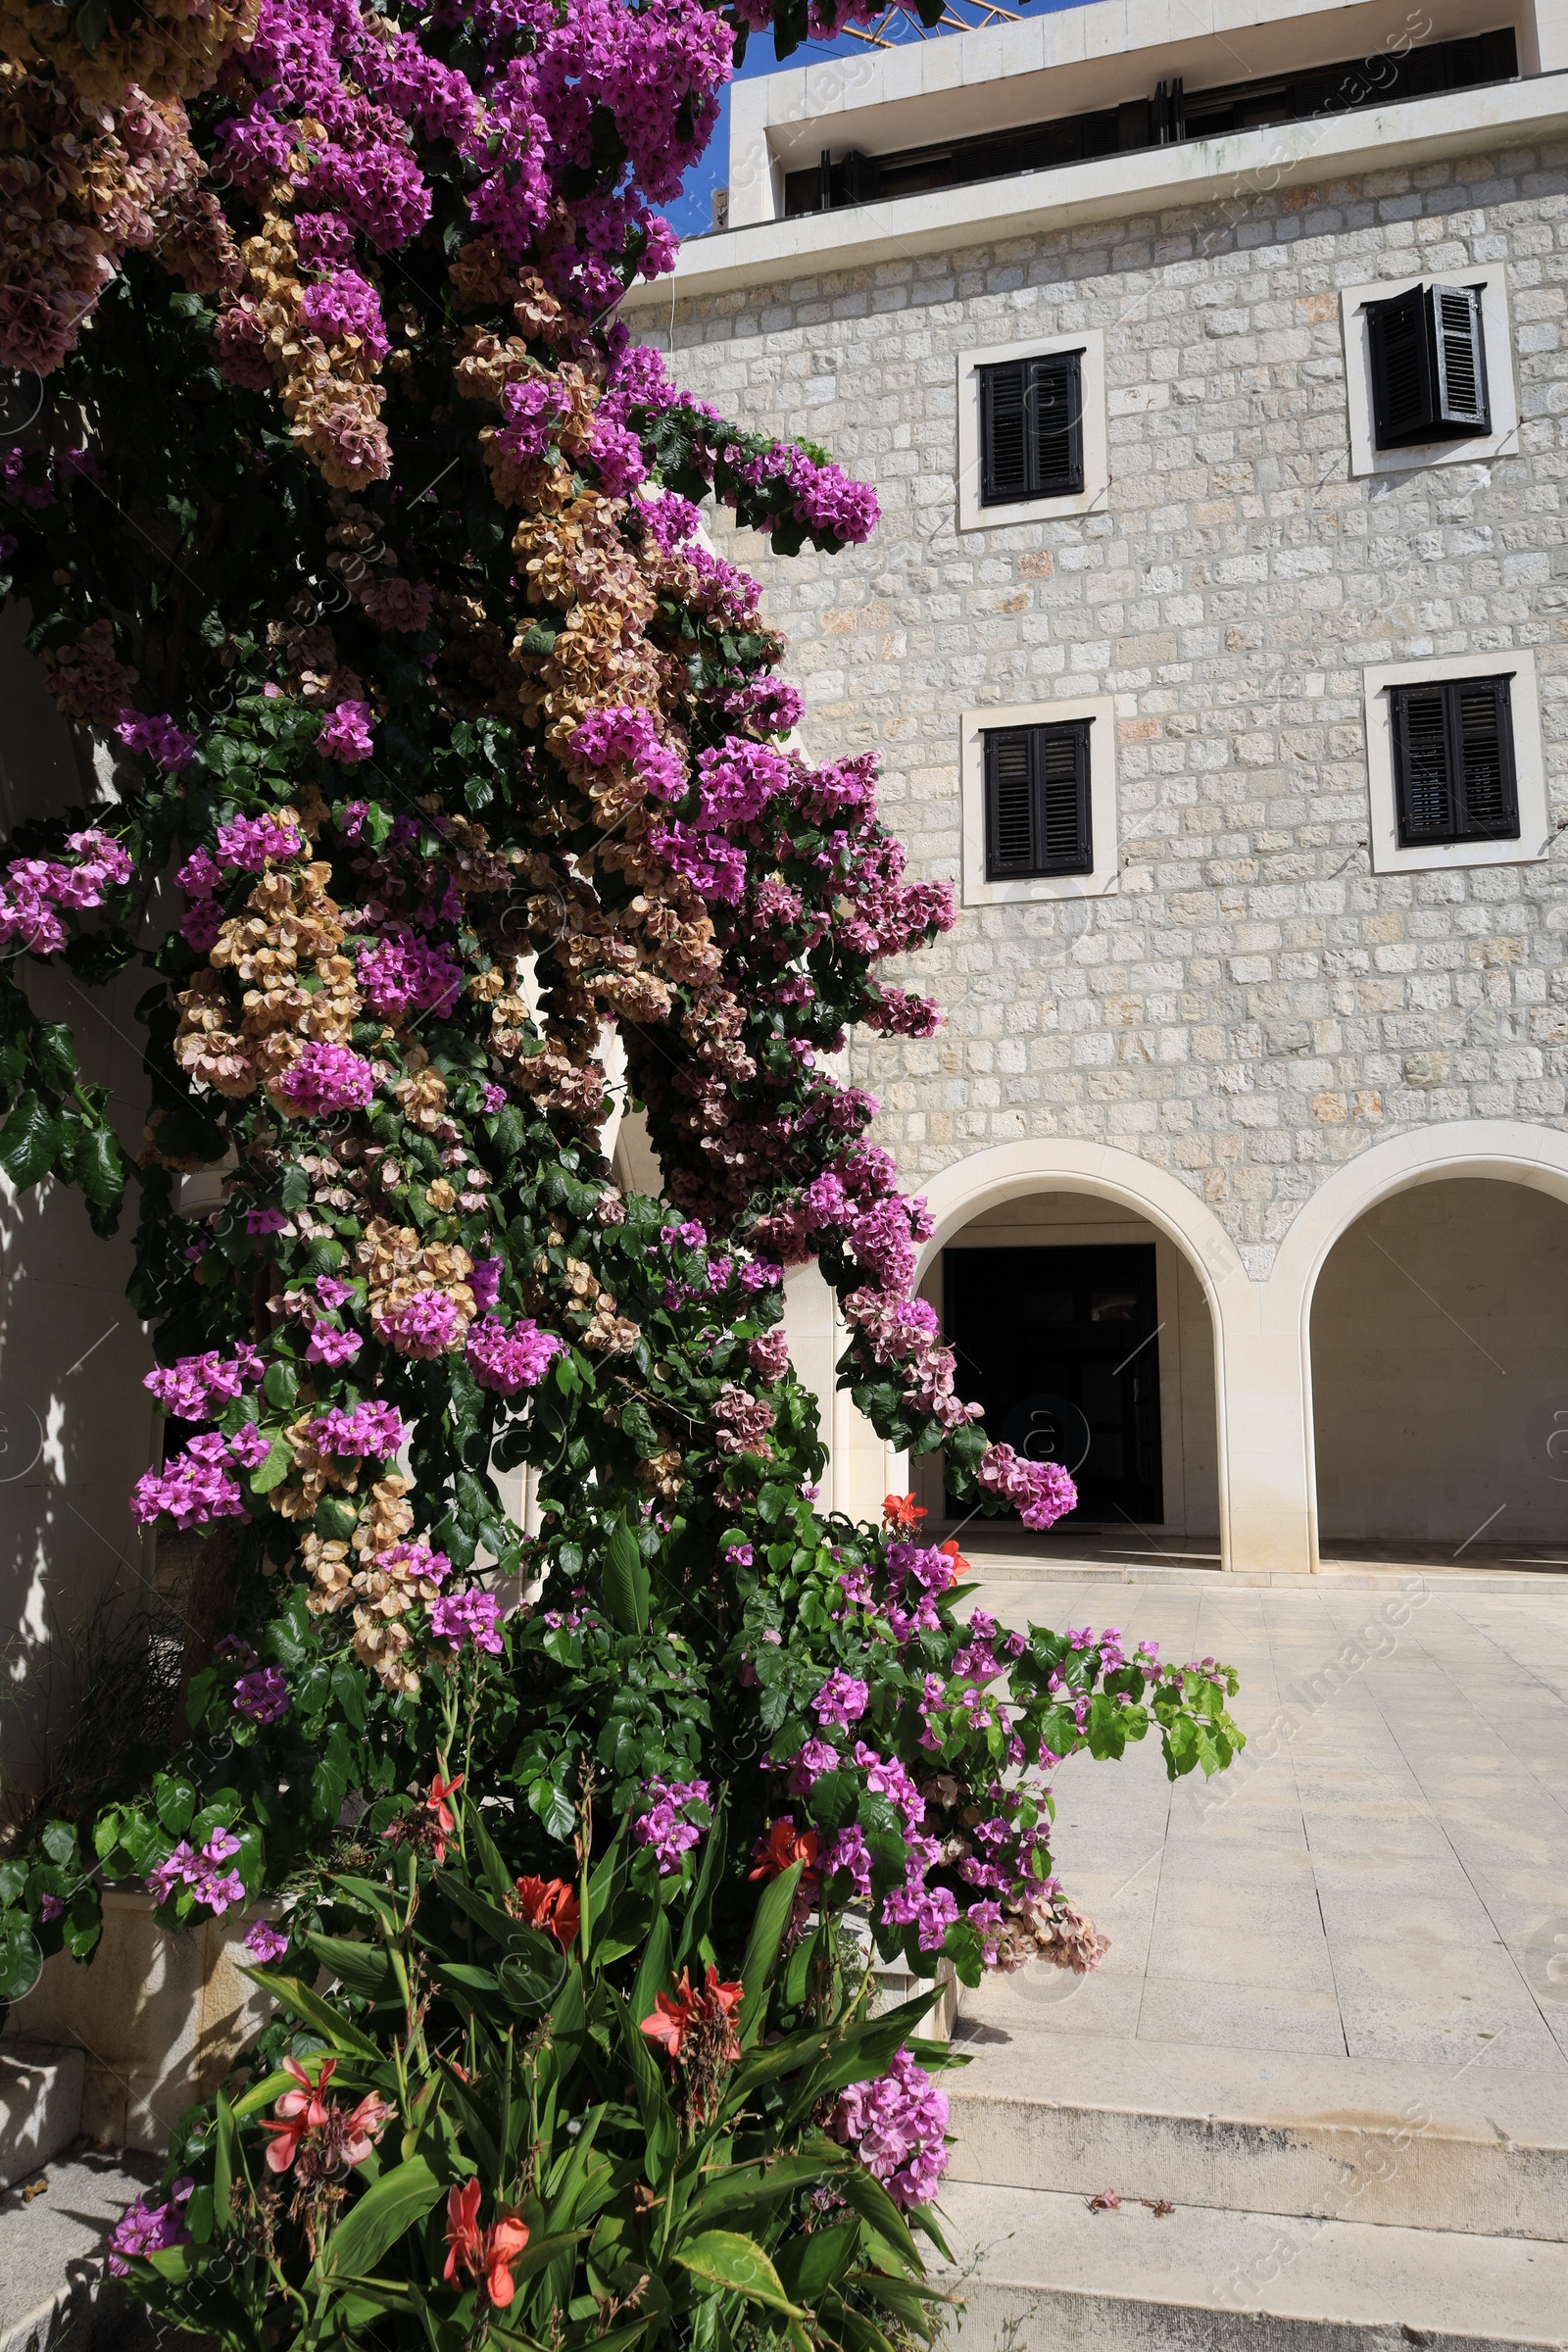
(691, 213)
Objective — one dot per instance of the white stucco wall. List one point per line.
(78, 1425)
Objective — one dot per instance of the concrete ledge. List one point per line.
(1046, 2275)
(1262, 2130)
(1243, 165)
(159, 2019)
(40, 2106)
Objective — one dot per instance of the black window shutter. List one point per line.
(1423, 784)
(1036, 801)
(1009, 804)
(1461, 360)
(1481, 723)
(1453, 763)
(1429, 366)
(1056, 387)
(1402, 370)
(1004, 450)
(1031, 429)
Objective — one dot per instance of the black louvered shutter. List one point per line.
(1461, 360)
(1036, 801)
(1482, 725)
(1009, 804)
(1004, 448)
(1429, 366)
(1454, 764)
(1056, 387)
(1031, 429)
(1402, 370)
(1421, 767)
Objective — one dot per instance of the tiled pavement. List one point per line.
(1382, 1874)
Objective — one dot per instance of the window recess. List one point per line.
(1454, 775)
(1032, 429)
(1429, 366)
(1037, 787)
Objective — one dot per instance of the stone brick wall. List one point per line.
(1251, 1006)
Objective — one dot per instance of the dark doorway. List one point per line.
(1061, 1348)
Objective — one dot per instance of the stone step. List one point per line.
(1001, 1569)
(1478, 2151)
(40, 2105)
(1039, 2273)
(54, 2294)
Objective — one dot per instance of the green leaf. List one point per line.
(496, 1876)
(224, 2146)
(762, 1947)
(28, 1141)
(60, 1842)
(276, 1467)
(624, 1578)
(723, 2257)
(389, 2207)
(175, 1799)
(281, 1386)
(320, 2016)
(21, 1958)
(98, 1166)
(809, 2262)
(363, 1967)
(726, 2191)
(870, 2200)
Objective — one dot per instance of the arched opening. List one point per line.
(1439, 1375)
(1083, 1330)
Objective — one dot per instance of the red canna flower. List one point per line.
(960, 1566)
(504, 2243)
(670, 2019)
(486, 2254)
(785, 1845)
(302, 2109)
(711, 2004)
(463, 2236)
(435, 1804)
(901, 1510)
(551, 1906)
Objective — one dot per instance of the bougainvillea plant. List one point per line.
(431, 742)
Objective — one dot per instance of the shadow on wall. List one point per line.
(75, 1424)
(1440, 1368)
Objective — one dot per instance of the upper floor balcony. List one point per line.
(1114, 108)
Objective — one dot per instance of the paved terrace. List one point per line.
(1382, 1874)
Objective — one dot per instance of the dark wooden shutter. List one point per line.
(1056, 387)
(1036, 801)
(1004, 441)
(1031, 429)
(1482, 726)
(1461, 360)
(1454, 763)
(1423, 786)
(1402, 370)
(1010, 804)
(1429, 366)
(1061, 790)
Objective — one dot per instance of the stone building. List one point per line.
(1207, 364)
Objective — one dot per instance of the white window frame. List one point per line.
(972, 515)
(1024, 889)
(1530, 775)
(1503, 396)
